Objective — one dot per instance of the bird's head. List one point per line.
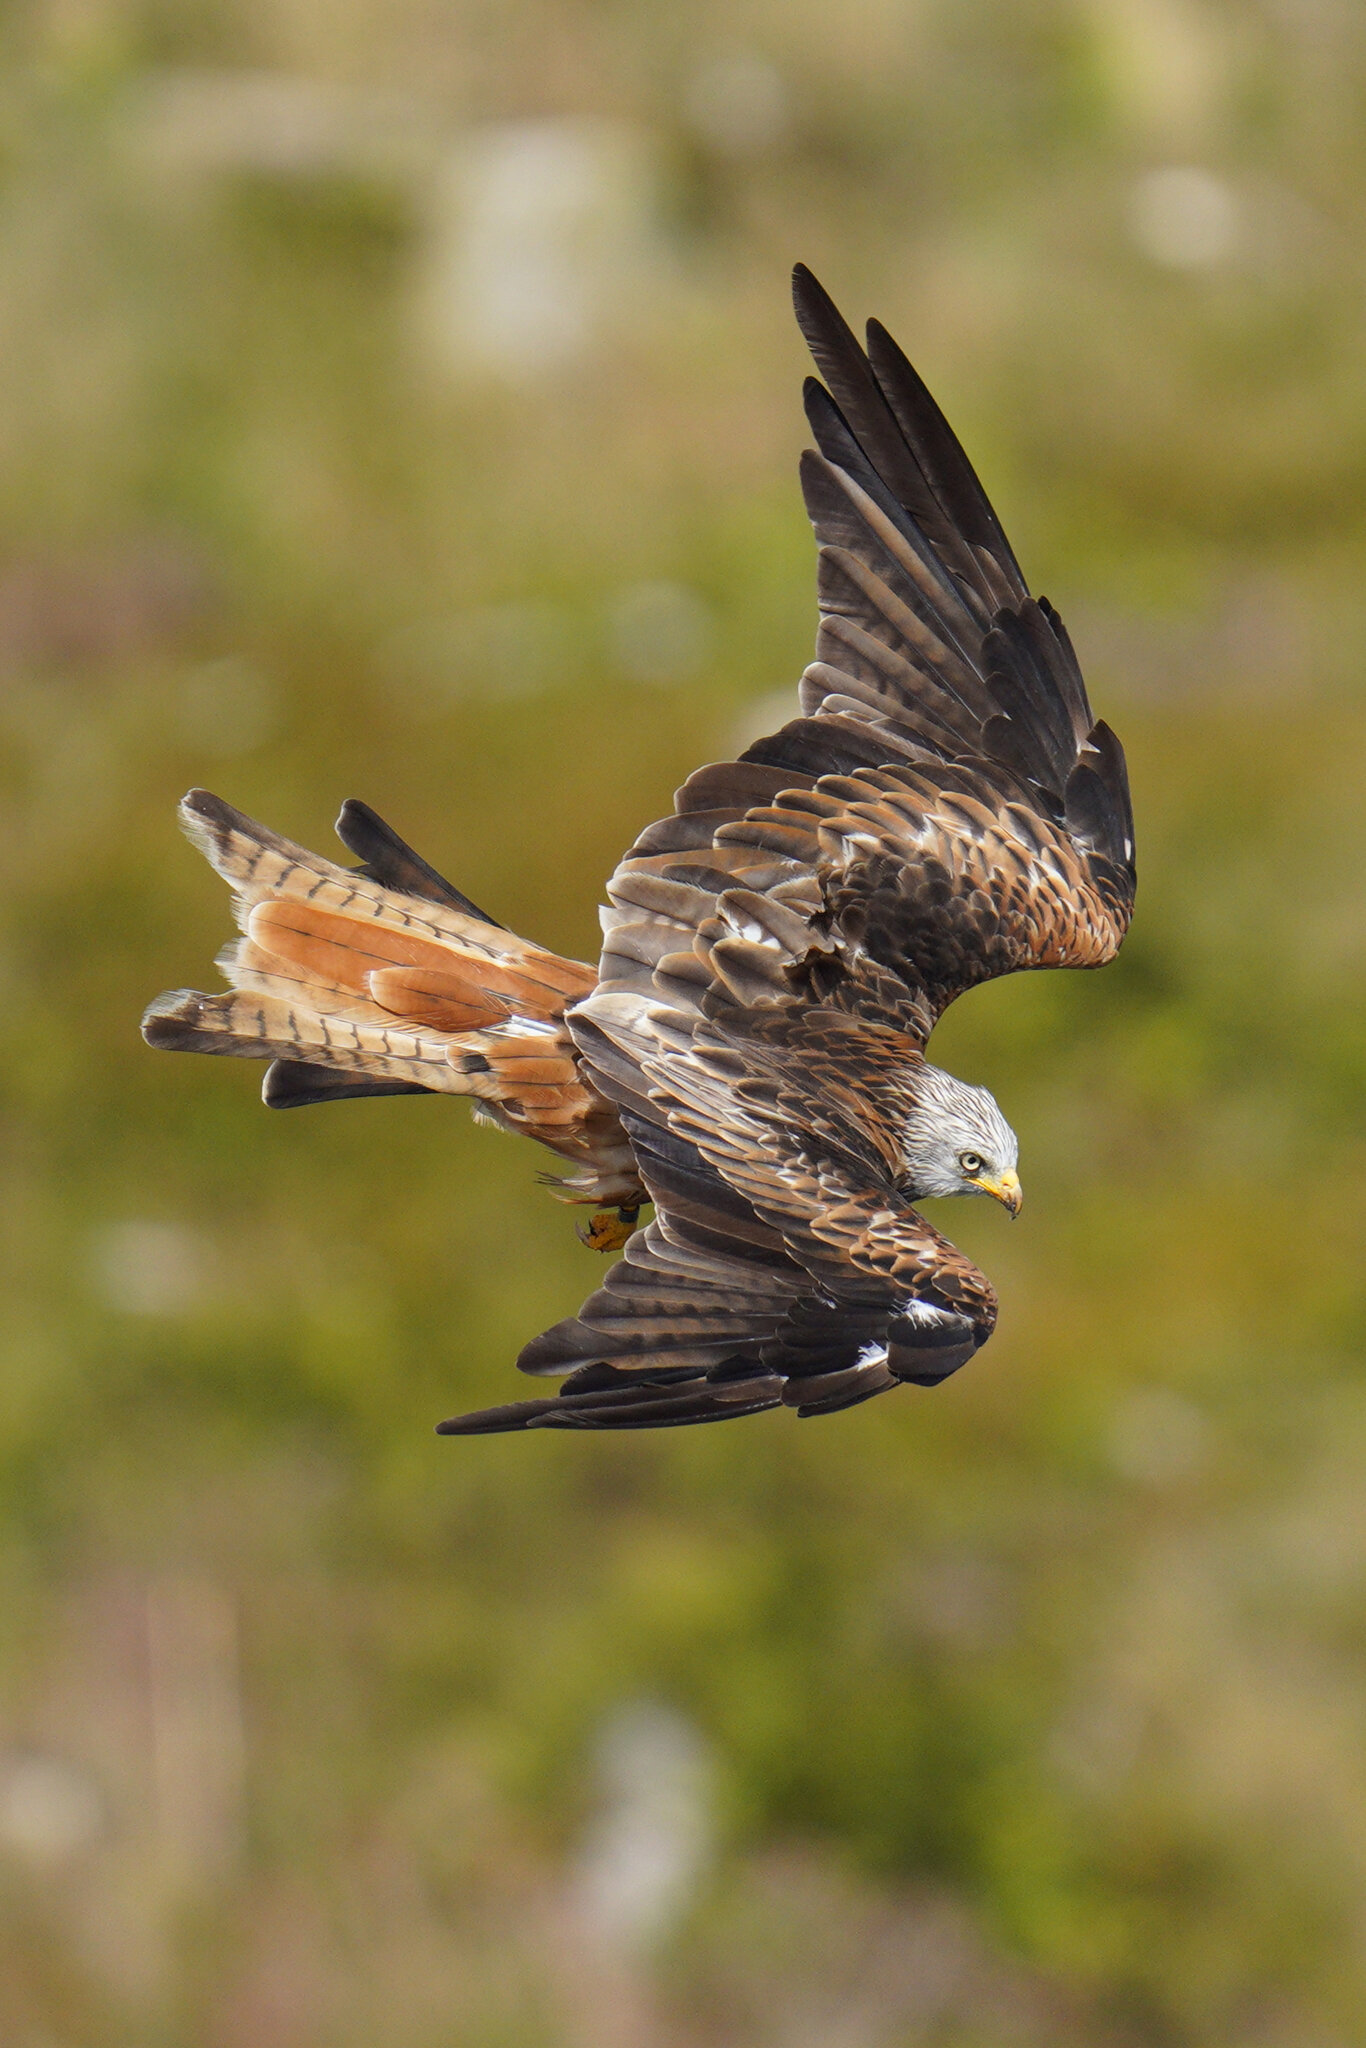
(956, 1142)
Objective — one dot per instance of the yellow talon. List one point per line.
(609, 1229)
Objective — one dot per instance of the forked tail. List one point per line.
(385, 980)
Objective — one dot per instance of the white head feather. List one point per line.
(955, 1138)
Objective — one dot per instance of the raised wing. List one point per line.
(971, 816)
(947, 806)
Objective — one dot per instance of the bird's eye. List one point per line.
(971, 1162)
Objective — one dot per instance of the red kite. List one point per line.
(749, 1055)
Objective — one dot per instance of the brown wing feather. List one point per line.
(784, 1267)
(947, 806)
(797, 1109)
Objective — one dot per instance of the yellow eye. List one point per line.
(971, 1162)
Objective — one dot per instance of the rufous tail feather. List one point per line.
(353, 986)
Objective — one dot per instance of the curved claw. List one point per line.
(609, 1229)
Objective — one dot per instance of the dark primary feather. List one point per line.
(390, 861)
(907, 443)
(293, 1084)
(945, 809)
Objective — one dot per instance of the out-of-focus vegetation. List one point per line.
(403, 401)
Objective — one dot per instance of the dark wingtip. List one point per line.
(390, 861)
(295, 1084)
(804, 280)
(496, 1421)
(819, 318)
(808, 293)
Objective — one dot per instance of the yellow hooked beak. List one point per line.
(1006, 1189)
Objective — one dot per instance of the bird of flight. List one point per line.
(749, 1054)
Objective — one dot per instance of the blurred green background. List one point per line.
(402, 401)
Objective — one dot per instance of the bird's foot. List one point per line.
(609, 1229)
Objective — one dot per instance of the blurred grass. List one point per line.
(1035, 1706)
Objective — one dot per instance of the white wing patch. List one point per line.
(926, 1316)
